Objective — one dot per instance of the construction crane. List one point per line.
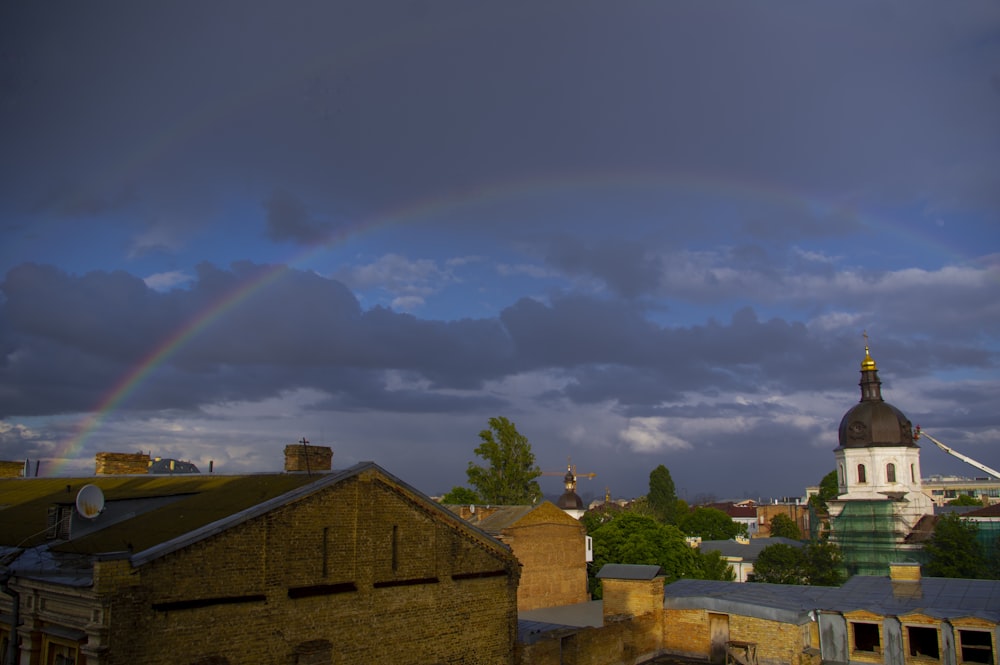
(570, 475)
(917, 433)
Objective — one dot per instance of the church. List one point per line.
(881, 515)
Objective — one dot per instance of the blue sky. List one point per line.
(647, 233)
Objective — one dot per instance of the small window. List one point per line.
(60, 652)
(862, 476)
(840, 474)
(976, 646)
(913, 473)
(890, 472)
(923, 641)
(866, 637)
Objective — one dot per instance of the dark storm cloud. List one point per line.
(288, 219)
(625, 266)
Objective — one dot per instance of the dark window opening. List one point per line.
(862, 478)
(923, 641)
(977, 646)
(395, 548)
(866, 637)
(321, 590)
(413, 582)
(890, 472)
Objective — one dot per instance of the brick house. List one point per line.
(320, 567)
(551, 545)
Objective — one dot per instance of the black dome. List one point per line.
(875, 423)
(570, 501)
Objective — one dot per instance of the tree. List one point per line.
(662, 495)
(510, 477)
(954, 550)
(709, 524)
(829, 488)
(783, 526)
(779, 564)
(816, 564)
(460, 496)
(965, 500)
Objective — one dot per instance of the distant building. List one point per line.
(552, 547)
(742, 553)
(882, 513)
(942, 489)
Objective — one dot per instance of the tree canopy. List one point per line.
(829, 488)
(965, 500)
(954, 550)
(710, 524)
(459, 495)
(783, 526)
(662, 495)
(816, 564)
(640, 539)
(509, 478)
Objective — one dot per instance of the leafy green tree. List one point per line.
(662, 495)
(824, 564)
(510, 477)
(965, 500)
(816, 564)
(640, 539)
(779, 564)
(709, 523)
(459, 496)
(829, 488)
(954, 550)
(783, 526)
(714, 567)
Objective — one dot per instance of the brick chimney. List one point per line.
(11, 469)
(303, 457)
(118, 464)
(904, 571)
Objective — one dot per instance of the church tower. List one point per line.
(878, 472)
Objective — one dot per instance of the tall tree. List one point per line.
(954, 550)
(816, 564)
(662, 495)
(709, 524)
(829, 488)
(458, 496)
(783, 526)
(509, 479)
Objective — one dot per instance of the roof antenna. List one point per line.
(305, 452)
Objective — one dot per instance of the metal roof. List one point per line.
(933, 596)
(748, 551)
(628, 571)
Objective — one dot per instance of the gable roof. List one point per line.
(147, 517)
(495, 519)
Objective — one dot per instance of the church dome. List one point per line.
(874, 422)
(570, 501)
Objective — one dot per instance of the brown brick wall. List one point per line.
(378, 575)
(621, 641)
(766, 512)
(112, 464)
(686, 633)
(11, 469)
(300, 457)
(632, 597)
(553, 558)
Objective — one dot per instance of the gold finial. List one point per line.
(868, 363)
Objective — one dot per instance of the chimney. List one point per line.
(303, 457)
(904, 571)
(118, 464)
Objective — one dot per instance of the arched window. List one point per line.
(862, 478)
(840, 475)
(890, 472)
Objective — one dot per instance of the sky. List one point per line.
(645, 232)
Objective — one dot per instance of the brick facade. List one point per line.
(363, 570)
(303, 457)
(11, 469)
(111, 464)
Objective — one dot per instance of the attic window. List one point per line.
(866, 637)
(923, 641)
(57, 522)
(976, 646)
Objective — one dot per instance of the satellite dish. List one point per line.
(90, 501)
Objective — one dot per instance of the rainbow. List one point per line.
(455, 202)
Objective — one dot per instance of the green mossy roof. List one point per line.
(198, 500)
